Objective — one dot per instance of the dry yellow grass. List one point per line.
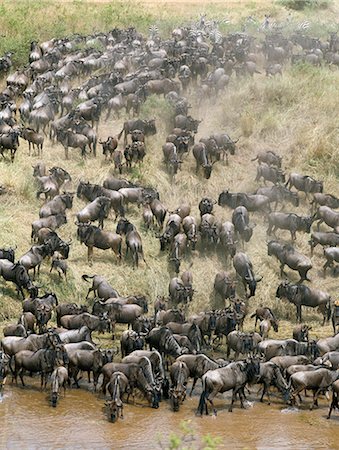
(294, 115)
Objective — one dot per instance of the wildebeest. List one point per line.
(316, 380)
(301, 295)
(34, 257)
(15, 330)
(50, 184)
(300, 332)
(172, 228)
(241, 222)
(335, 398)
(132, 238)
(244, 343)
(9, 141)
(270, 375)
(332, 255)
(89, 361)
(91, 192)
(98, 209)
(17, 274)
(287, 254)
(52, 222)
(270, 173)
(92, 322)
(318, 237)
(109, 146)
(34, 138)
(234, 376)
(42, 360)
(304, 183)
(58, 380)
(69, 138)
(201, 157)
(117, 386)
(244, 269)
(191, 330)
(57, 205)
(146, 126)
(7, 253)
(74, 336)
(179, 374)
(161, 338)
(289, 221)
(279, 194)
(328, 216)
(224, 285)
(320, 199)
(252, 202)
(190, 228)
(68, 309)
(130, 341)
(268, 157)
(100, 287)
(92, 237)
(178, 292)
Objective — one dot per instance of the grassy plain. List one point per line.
(294, 115)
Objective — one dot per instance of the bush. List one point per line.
(303, 4)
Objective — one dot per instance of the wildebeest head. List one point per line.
(212, 321)
(123, 226)
(113, 407)
(151, 128)
(207, 170)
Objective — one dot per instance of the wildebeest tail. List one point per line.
(86, 277)
(202, 402)
(120, 134)
(253, 315)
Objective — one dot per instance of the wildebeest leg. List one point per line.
(90, 255)
(234, 393)
(193, 385)
(21, 375)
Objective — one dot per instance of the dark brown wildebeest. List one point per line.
(279, 194)
(329, 216)
(300, 332)
(270, 173)
(201, 158)
(17, 274)
(289, 221)
(332, 255)
(269, 158)
(34, 138)
(146, 126)
(224, 285)
(34, 257)
(98, 209)
(330, 239)
(270, 374)
(57, 205)
(335, 398)
(68, 309)
(109, 146)
(241, 222)
(58, 380)
(9, 141)
(320, 199)
(244, 343)
(71, 139)
(179, 375)
(92, 322)
(198, 365)
(316, 380)
(301, 295)
(234, 376)
(90, 192)
(117, 387)
(244, 268)
(100, 287)
(287, 255)
(305, 183)
(132, 238)
(130, 341)
(92, 237)
(52, 222)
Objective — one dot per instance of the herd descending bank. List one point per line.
(61, 97)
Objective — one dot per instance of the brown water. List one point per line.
(27, 421)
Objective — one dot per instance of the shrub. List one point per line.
(303, 4)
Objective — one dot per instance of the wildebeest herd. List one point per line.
(63, 93)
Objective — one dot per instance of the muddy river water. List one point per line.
(27, 421)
